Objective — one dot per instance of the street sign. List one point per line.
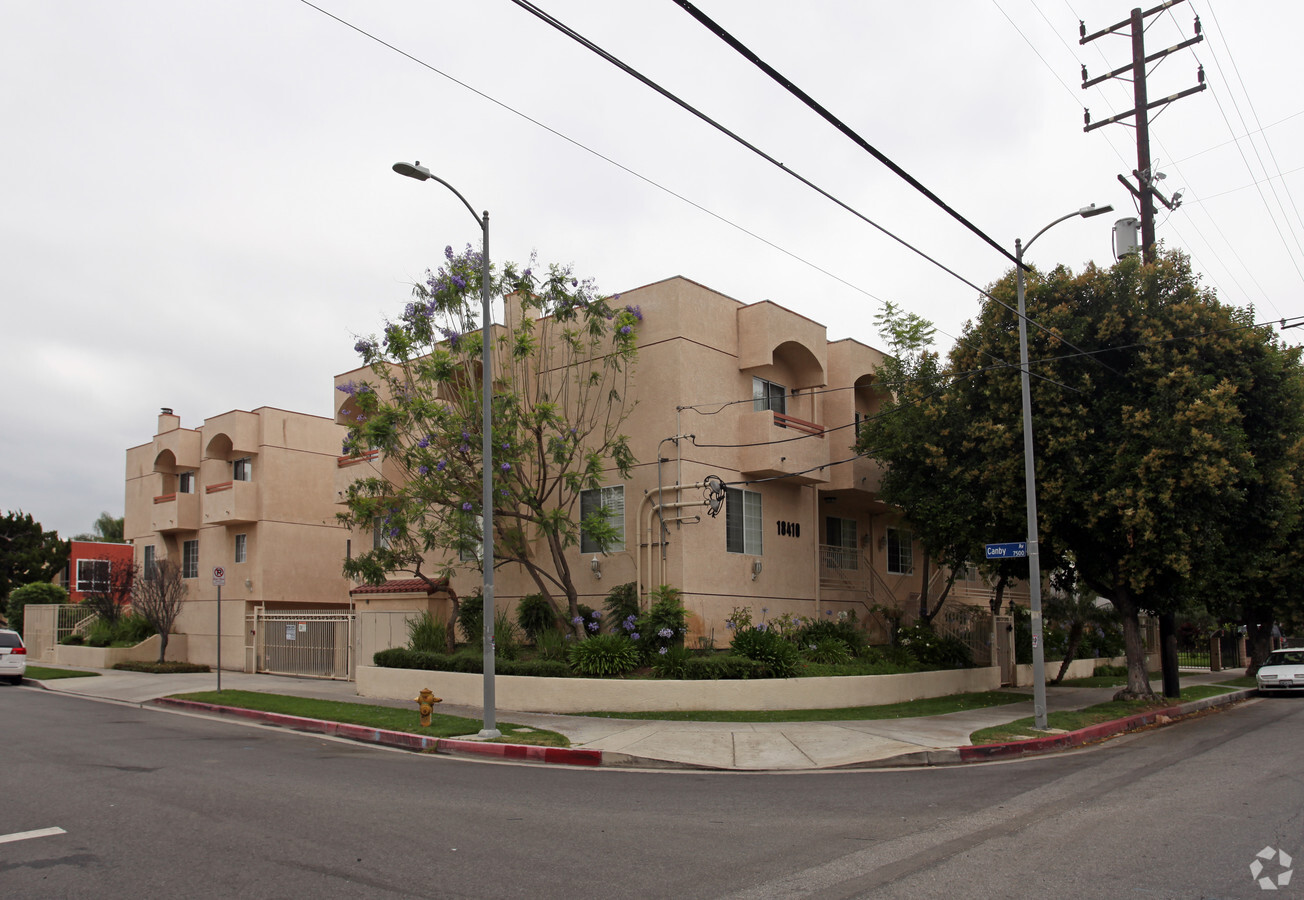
(219, 576)
(1016, 550)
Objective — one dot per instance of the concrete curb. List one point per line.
(400, 739)
(1092, 733)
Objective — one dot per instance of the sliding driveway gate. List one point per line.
(312, 643)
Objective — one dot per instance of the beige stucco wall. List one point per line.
(108, 657)
(579, 695)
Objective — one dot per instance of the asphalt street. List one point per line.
(154, 804)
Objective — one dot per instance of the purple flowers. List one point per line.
(424, 442)
(441, 465)
(349, 388)
(625, 329)
(593, 626)
(634, 311)
(662, 651)
(459, 282)
(666, 633)
(507, 467)
(467, 507)
(578, 620)
(364, 346)
(448, 252)
(633, 636)
(423, 470)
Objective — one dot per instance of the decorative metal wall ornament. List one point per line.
(713, 487)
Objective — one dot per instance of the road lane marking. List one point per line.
(25, 835)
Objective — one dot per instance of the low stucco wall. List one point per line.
(578, 695)
(1079, 668)
(108, 657)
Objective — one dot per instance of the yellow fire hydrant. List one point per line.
(426, 701)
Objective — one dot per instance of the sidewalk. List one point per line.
(780, 746)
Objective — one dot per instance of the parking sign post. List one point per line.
(219, 579)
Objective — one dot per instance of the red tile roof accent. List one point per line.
(401, 586)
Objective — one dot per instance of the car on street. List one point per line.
(13, 656)
(1283, 670)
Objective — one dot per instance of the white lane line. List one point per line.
(25, 835)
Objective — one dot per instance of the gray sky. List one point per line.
(198, 209)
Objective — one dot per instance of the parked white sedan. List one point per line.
(13, 656)
(1282, 671)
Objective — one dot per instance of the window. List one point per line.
(243, 469)
(379, 534)
(742, 521)
(611, 499)
(241, 548)
(840, 535)
(151, 563)
(186, 483)
(190, 559)
(92, 575)
(768, 395)
(900, 552)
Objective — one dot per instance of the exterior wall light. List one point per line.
(596, 566)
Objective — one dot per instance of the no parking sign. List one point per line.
(219, 576)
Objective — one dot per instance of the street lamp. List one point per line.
(1030, 475)
(421, 173)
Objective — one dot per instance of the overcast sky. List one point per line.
(198, 209)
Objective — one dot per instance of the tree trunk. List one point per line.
(1258, 628)
(1076, 631)
(1168, 654)
(999, 595)
(163, 647)
(1138, 679)
(924, 617)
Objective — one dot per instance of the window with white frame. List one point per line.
(900, 552)
(379, 534)
(612, 500)
(742, 521)
(243, 469)
(471, 550)
(241, 548)
(151, 562)
(768, 395)
(840, 535)
(92, 575)
(186, 483)
(190, 559)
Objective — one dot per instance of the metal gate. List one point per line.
(312, 643)
(1003, 644)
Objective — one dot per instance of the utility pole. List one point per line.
(1144, 190)
(1145, 193)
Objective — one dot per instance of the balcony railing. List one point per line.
(175, 512)
(231, 503)
(786, 421)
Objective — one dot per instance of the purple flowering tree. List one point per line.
(562, 368)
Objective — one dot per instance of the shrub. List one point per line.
(829, 651)
(622, 602)
(934, 651)
(37, 592)
(471, 663)
(426, 633)
(1111, 671)
(844, 630)
(670, 662)
(133, 629)
(705, 668)
(551, 645)
(470, 619)
(664, 624)
(779, 656)
(507, 639)
(605, 654)
(535, 616)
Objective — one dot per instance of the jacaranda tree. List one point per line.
(562, 364)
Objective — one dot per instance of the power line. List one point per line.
(833, 120)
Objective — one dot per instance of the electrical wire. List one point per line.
(744, 51)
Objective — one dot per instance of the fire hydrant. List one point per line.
(426, 701)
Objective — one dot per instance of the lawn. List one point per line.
(935, 706)
(1072, 720)
(45, 673)
(388, 718)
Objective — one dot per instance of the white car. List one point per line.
(1283, 670)
(13, 656)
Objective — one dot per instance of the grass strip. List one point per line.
(45, 673)
(1073, 719)
(389, 718)
(933, 706)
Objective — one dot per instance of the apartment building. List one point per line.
(750, 412)
(249, 492)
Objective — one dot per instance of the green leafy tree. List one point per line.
(937, 469)
(1142, 445)
(28, 553)
(562, 367)
(36, 592)
(1075, 611)
(107, 529)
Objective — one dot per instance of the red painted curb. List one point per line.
(401, 739)
(981, 752)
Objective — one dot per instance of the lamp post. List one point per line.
(421, 173)
(1030, 475)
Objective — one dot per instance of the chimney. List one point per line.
(167, 421)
